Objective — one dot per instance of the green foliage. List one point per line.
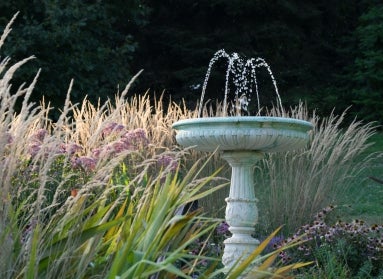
(88, 41)
(367, 73)
(327, 266)
(341, 249)
(264, 264)
(358, 80)
(128, 232)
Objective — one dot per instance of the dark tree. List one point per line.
(366, 75)
(303, 42)
(325, 52)
(88, 41)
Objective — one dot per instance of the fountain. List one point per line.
(242, 141)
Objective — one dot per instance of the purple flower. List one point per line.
(223, 228)
(111, 149)
(72, 148)
(36, 141)
(9, 138)
(34, 148)
(96, 152)
(69, 148)
(166, 161)
(275, 243)
(39, 135)
(136, 138)
(119, 146)
(111, 128)
(85, 162)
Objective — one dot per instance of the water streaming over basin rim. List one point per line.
(256, 133)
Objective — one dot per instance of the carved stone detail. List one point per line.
(241, 209)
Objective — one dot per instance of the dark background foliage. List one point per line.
(327, 53)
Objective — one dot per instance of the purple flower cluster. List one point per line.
(167, 161)
(112, 129)
(39, 135)
(368, 240)
(124, 140)
(274, 244)
(136, 138)
(223, 229)
(120, 138)
(36, 140)
(71, 148)
(84, 162)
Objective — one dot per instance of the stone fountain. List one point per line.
(242, 141)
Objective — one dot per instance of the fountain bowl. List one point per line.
(234, 133)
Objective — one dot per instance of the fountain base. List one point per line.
(241, 209)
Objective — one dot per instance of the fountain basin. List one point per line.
(255, 133)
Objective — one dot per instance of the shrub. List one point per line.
(356, 246)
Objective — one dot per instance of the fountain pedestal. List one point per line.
(242, 141)
(241, 209)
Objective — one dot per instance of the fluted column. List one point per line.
(241, 209)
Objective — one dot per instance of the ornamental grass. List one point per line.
(293, 186)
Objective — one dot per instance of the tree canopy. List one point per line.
(328, 53)
(88, 41)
